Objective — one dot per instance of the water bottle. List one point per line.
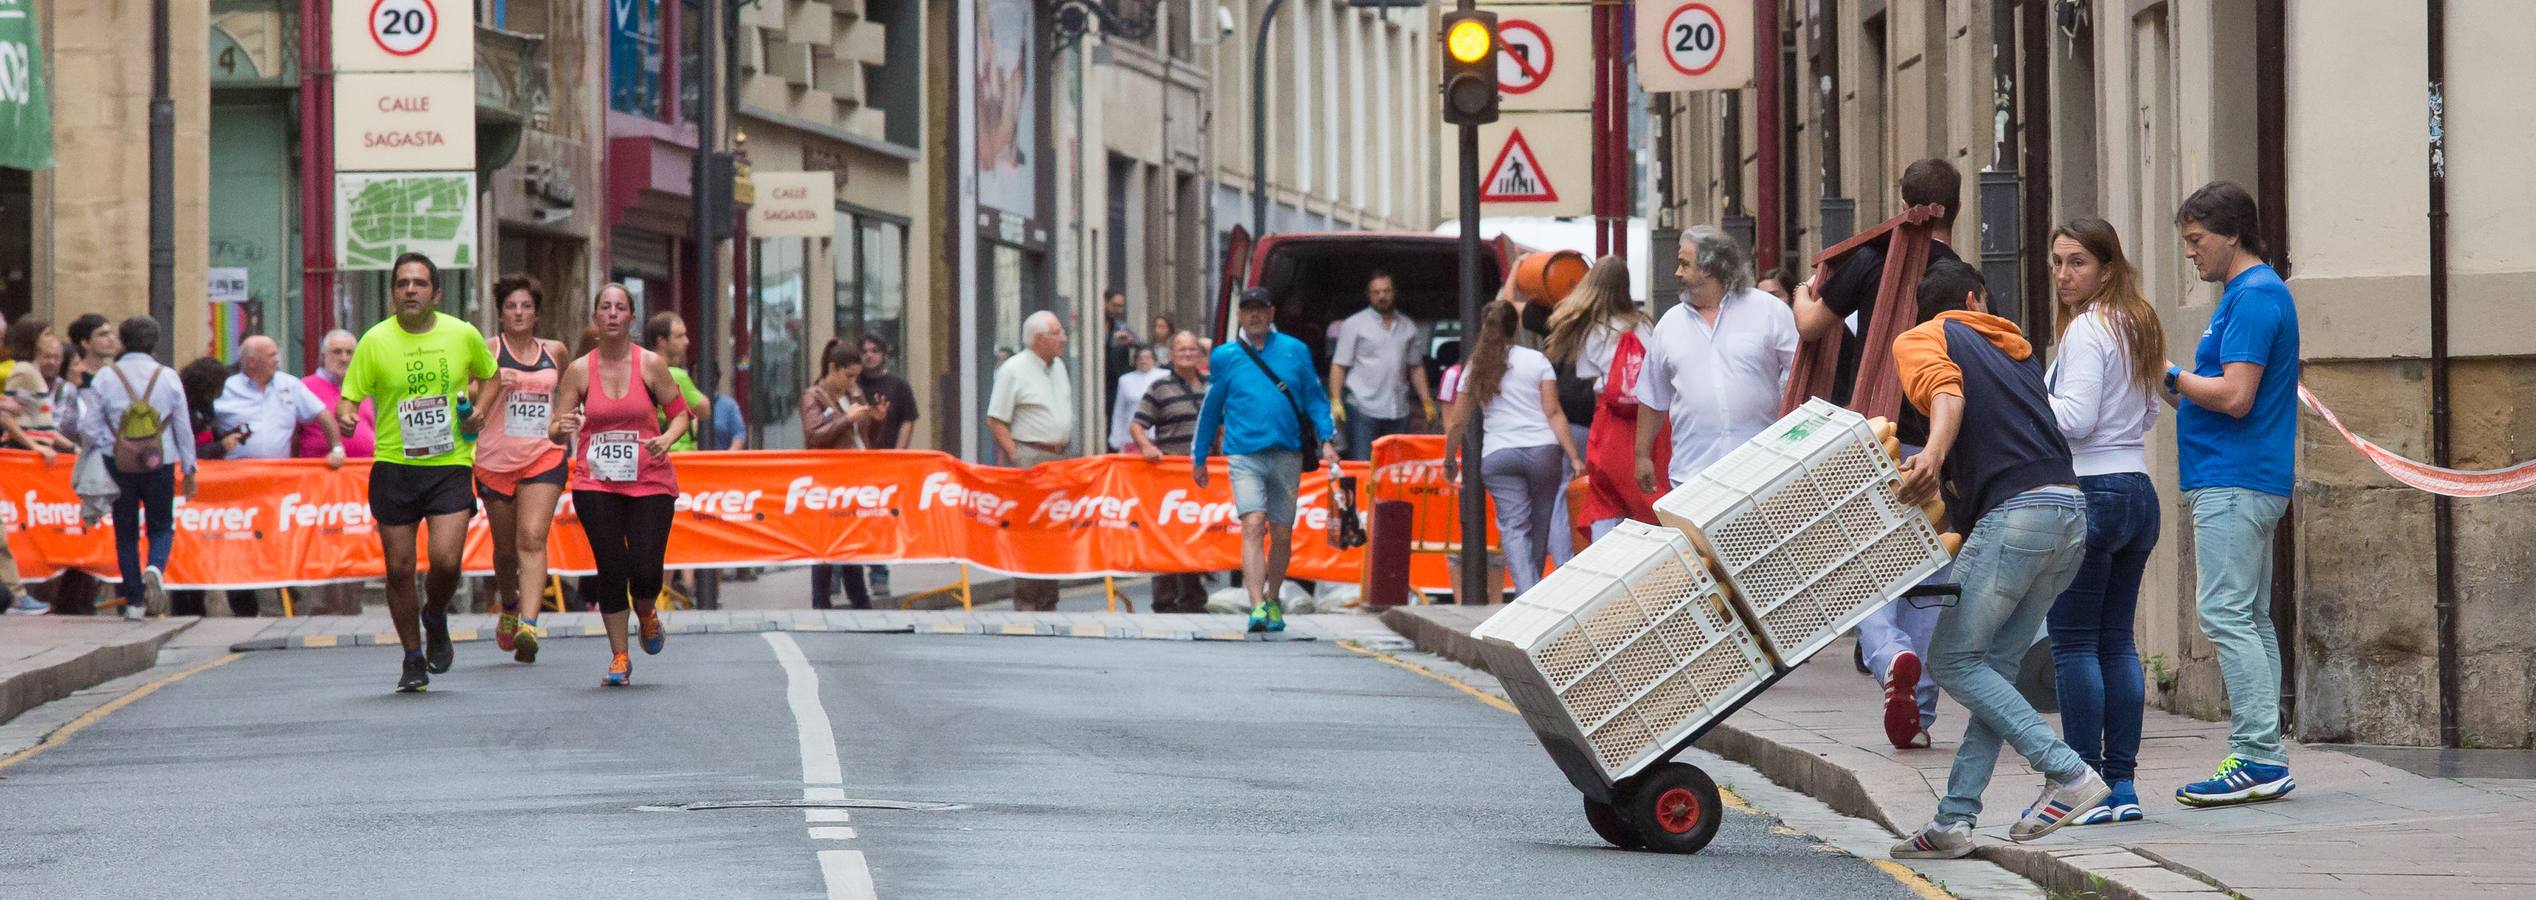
(466, 413)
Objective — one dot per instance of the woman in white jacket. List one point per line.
(2112, 353)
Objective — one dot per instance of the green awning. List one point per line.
(26, 107)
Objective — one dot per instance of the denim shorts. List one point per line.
(1264, 482)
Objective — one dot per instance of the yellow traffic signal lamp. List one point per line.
(1470, 68)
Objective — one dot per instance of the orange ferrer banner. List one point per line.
(268, 523)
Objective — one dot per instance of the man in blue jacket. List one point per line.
(1267, 378)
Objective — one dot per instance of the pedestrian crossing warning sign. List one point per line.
(1517, 176)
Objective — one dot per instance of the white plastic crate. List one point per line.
(1803, 522)
(1622, 653)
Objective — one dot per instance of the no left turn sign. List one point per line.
(1701, 45)
(1694, 39)
(404, 27)
(1523, 63)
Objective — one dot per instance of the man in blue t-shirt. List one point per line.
(1267, 406)
(2236, 421)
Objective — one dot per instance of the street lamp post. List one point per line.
(1259, 123)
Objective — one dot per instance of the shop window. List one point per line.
(778, 355)
(870, 255)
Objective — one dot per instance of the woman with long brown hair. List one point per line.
(2112, 352)
(1600, 333)
(1523, 439)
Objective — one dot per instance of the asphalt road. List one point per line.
(1077, 769)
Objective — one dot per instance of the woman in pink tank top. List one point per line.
(622, 487)
(519, 472)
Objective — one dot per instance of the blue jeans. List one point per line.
(1363, 430)
(2016, 561)
(2232, 553)
(1906, 624)
(148, 497)
(2101, 693)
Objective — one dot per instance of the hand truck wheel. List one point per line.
(1612, 826)
(1675, 808)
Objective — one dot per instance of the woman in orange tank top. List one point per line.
(519, 473)
(623, 488)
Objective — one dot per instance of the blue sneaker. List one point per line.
(2239, 780)
(28, 606)
(2123, 805)
(1259, 618)
(1276, 615)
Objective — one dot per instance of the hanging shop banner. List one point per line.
(380, 215)
(270, 523)
(26, 104)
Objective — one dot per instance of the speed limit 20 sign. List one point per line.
(404, 27)
(404, 35)
(1698, 45)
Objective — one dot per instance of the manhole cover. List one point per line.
(848, 803)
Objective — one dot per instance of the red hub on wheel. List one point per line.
(1677, 810)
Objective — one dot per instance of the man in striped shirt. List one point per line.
(1164, 425)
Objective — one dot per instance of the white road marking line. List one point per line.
(825, 815)
(832, 834)
(848, 878)
(823, 793)
(801, 690)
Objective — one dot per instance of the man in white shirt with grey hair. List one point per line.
(1719, 362)
(1030, 413)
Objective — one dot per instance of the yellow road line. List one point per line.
(1910, 879)
(1897, 871)
(63, 734)
(1458, 684)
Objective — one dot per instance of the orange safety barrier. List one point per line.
(271, 523)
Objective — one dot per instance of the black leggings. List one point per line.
(629, 536)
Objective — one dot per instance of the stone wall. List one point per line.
(2368, 638)
(97, 225)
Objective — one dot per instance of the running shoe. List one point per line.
(2239, 780)
(415, 678)
(2057, 804)
(1902, 702)
(134, 613)
(620, 672)
(1276, 615)
(29, 606)
(436, 648)
(154, 590)
(2123, 805)
(1952, 840)
(525, 642)
(653, 637)
(503, 629)
(1259, 618)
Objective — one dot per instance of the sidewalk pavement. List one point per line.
(2354, 827)
(46, 658)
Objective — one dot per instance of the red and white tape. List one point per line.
(2422, 475)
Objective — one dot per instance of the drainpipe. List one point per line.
(1769, 223)
(2035, 29)
(316, 181)
(2443, 507)
(162, 185)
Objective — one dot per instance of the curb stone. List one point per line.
(2114, 873)
(65, 672)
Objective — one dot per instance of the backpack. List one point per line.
(136, 433)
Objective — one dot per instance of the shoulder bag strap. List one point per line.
(1303, 422)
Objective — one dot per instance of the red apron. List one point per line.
(1611, 447)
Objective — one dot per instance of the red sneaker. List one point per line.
(1902, 703)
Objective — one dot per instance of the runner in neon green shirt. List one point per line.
(666, 334)
(421, 366)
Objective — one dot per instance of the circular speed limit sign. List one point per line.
(1694, 39)
(404, 27)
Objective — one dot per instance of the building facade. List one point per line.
(2121, 108)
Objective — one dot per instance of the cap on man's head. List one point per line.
(1256, 296)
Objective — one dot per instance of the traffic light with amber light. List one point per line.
(1470, 68)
